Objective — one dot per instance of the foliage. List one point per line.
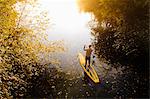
(120, 28)
(21, 47)
(121, 35)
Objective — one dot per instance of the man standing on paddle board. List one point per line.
(88, 55)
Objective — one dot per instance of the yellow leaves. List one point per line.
(16, 44)
(3, 50)
(2, 0)
(21, 45)
(13, 78)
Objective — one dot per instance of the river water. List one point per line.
(69, 25)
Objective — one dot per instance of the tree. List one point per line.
(121, 35)
(121, 28)
(21, 47)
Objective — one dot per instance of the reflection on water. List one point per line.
(70, 26)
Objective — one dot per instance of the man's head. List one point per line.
(90, 46)
(93, 56)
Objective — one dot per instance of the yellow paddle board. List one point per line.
(91, 73)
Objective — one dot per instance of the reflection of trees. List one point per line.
(121, 33)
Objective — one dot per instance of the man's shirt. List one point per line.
(88, 52)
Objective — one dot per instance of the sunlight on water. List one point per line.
(68, 23)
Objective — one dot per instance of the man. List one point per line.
(88, 55)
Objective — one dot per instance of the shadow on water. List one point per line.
(120, 82)
(86, 89)
(115, 82)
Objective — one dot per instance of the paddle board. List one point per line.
(90, 71)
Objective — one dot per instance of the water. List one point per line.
(70, 26)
